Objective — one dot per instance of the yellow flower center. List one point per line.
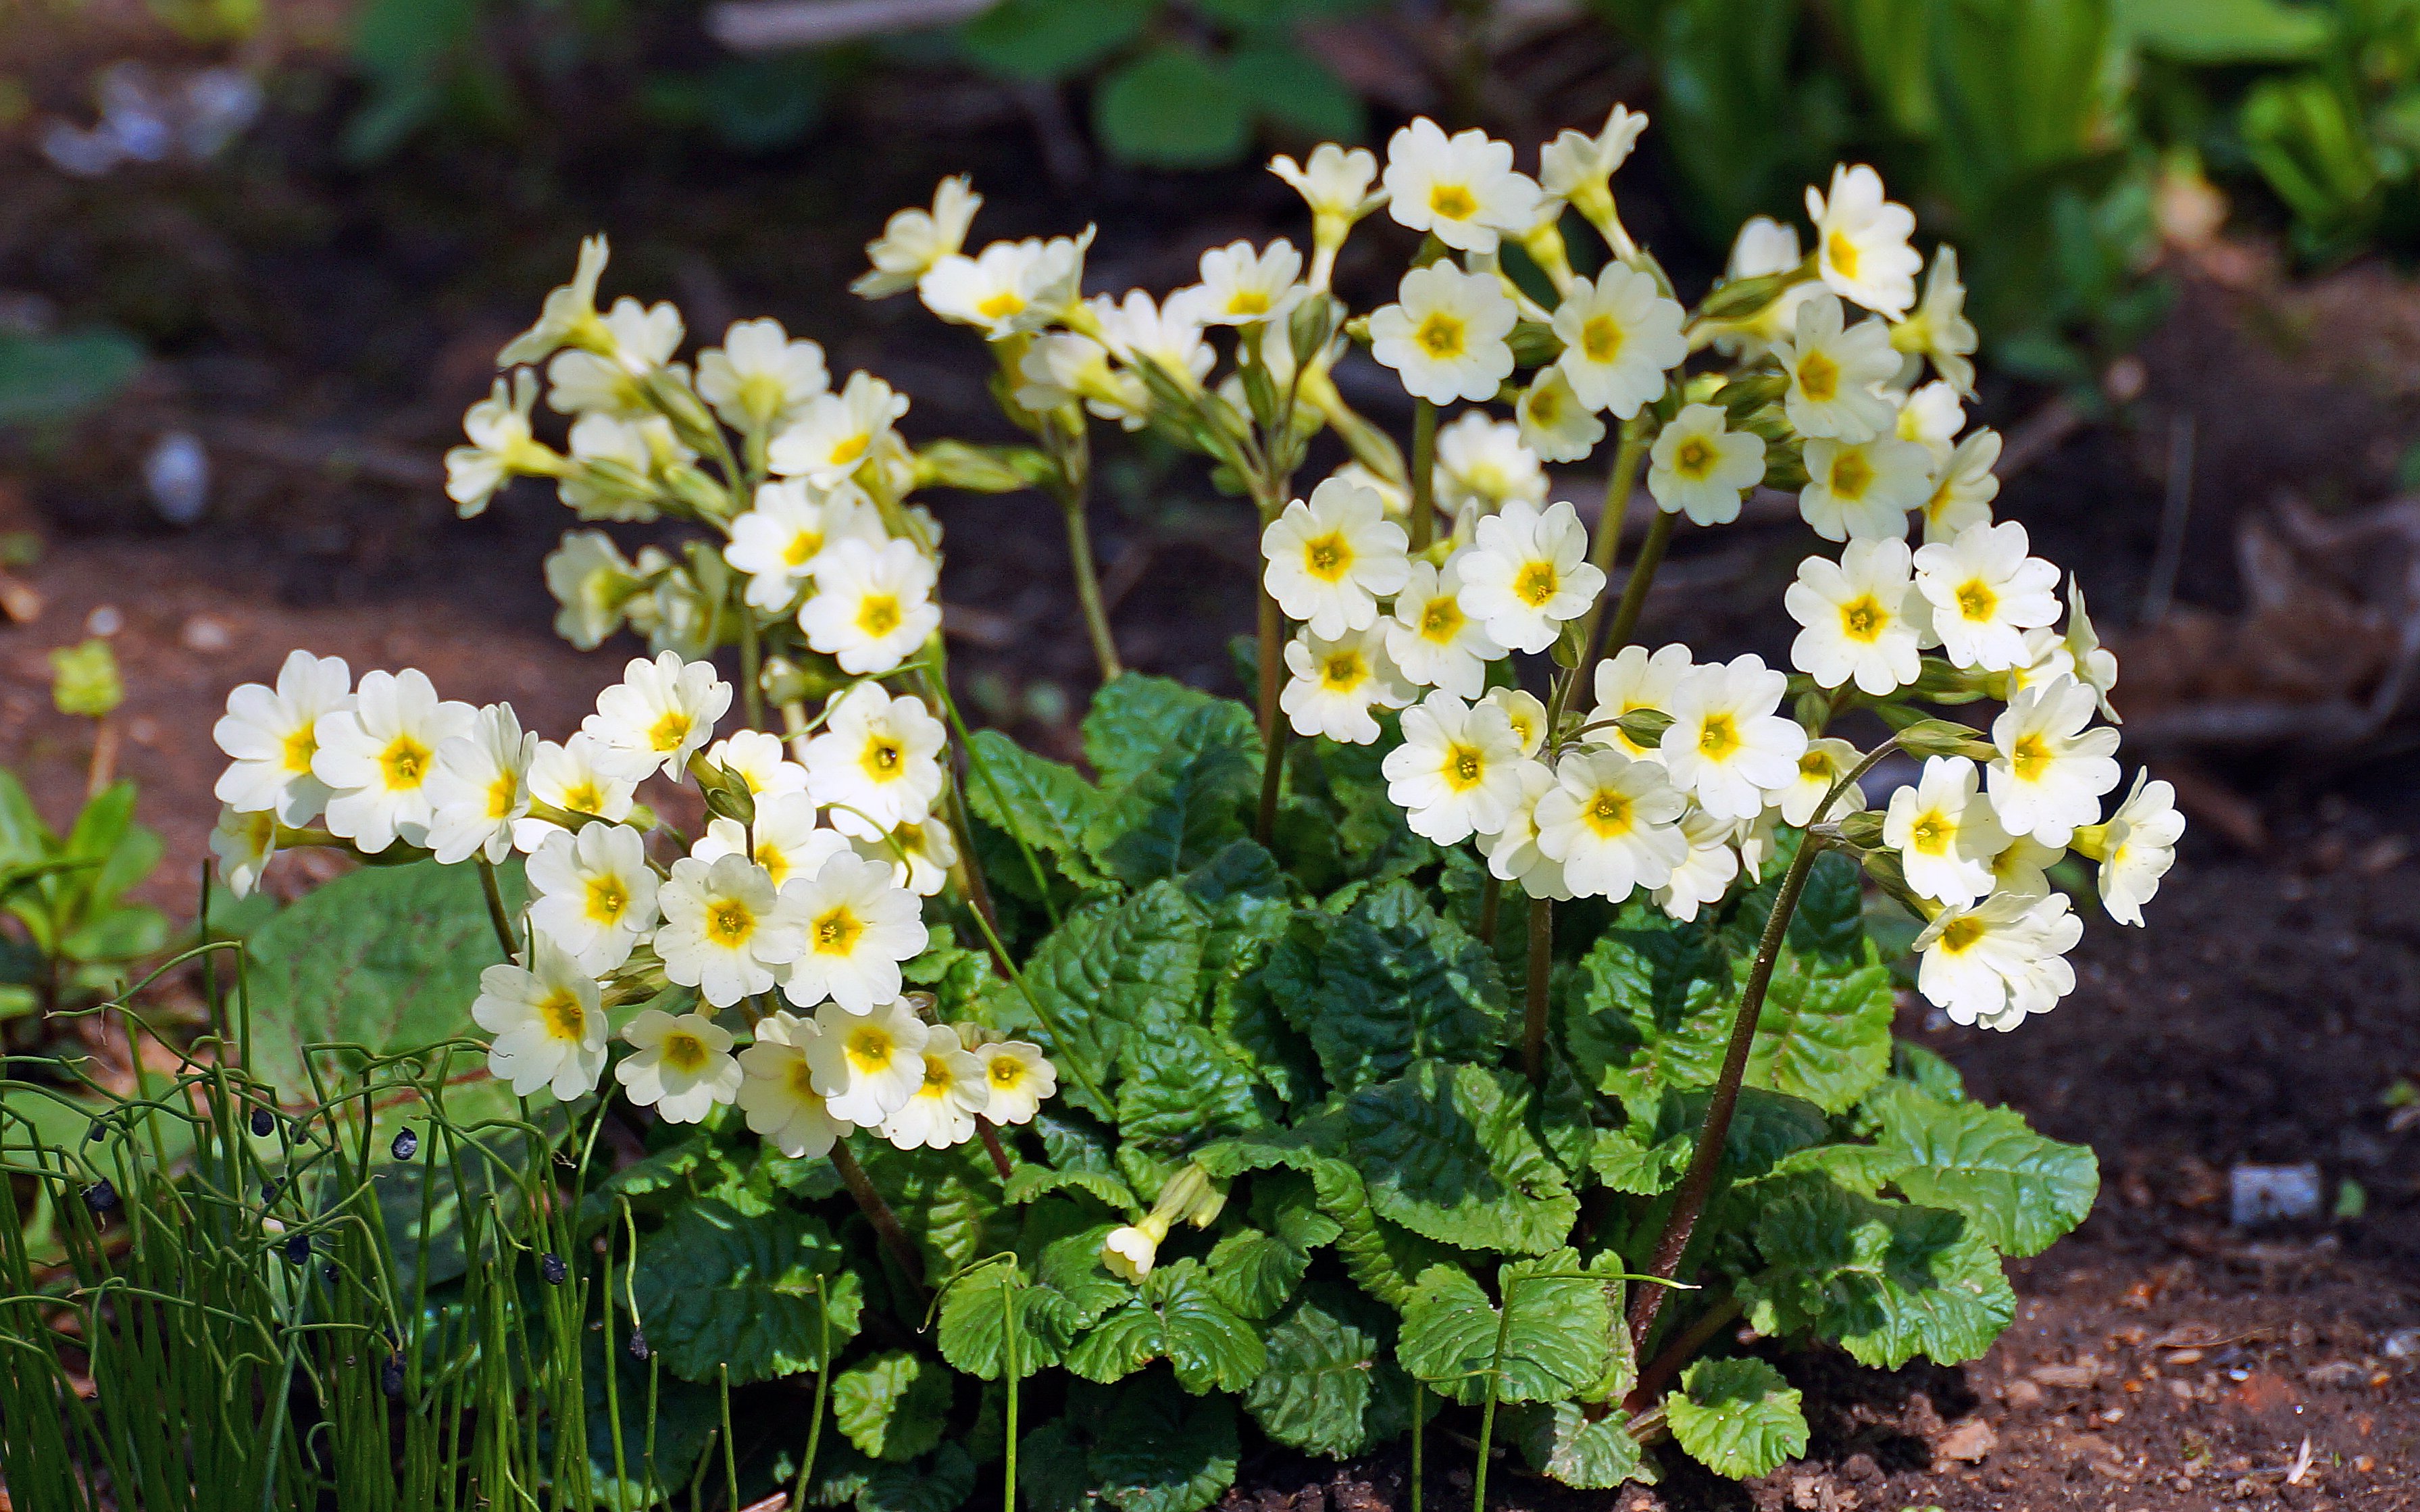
(1963, 935)
(836, 932)
(1441, 335)
(1975, 600)
(563, 1016)
(1441, 619)
(802, 1082)
(1931, 832)
(1718, 737)
(1247, 301)
(870, 1047)
(1006, 1071)
(1328, 557)
(1600, 338)
(1342, 671)
(1545, 406)
(1863, 619)
(1815, 766)
(884, 759)
(606, 898)
(405, 762)
(879, 614)
(1536, 584)
(1001, 306)
(776, 865)
(802, 548)
(668, 733)
(503, 795)
(1609, 813)
(729, 922)
(1694, 457)
(1851, 473)
(1522, 727)
(684, 1051)
(1453, 202)
(937, 1079)
(851, 449)
(1819, 376)
(1465, 765)
(299, 747)
(2031, 758)
(1841, 254)
(585, 797)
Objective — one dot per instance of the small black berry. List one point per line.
(101, 1197)
(551, 1268)
(264, 1123)
(639, 1349)
(298, 1249)
(391, 1378)
(269, 1190)
(330, 1275)
(95, 1134)
(407, 1144)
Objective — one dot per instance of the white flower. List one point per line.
(1944, 833)
(1337, 681)
(1461, 189)
(1578, 168)
(1512, 853)
(1726, 746)
(760, 760)
(1433, 643)
(778, 1091)
(1481, 465)
(2096, 667)
(1055, 282)
(726, 930)
(1754, 841)
(620, 460)
(1699, 466)
(1620, 334)
(1836, 374)
(1630, 680)
(1932, 417)
(548, 1026)
(638, 340)
(1130, 1252)
(872, 606)
(1524, 713)
(1865, 622)
(1995, 962)
(1335, 183)
(683, 1067)
(786, 842)
(590, 578)
(1019, 1079)
(942, 1110)
(918, 856)
(1705, 873)
(1939, 328)
(1526, 572)
(658, 716)
(1168, 336)
(990, 291)
(835, 433)
(1446, 337)
(874, 766)
(594, 894)
(272, 735)
(2051, 771)
(2137, 847)
(1061, 368)
(2047, 660)
(859, 926)
(1861, 239)
(914, 240)
(1612, 824)
(1240, 287)
(1457, 771)
(1553, 421)
(867, 1066)
(1763, 247)
(1821, 767)
(2023, 868)
(376, 754)
(480, 787)
(1331, 558)
(1986, 593)
(759, 377)
(569, 314)
(502, 445)
(779, 541)
(577, 777)
(1963, 488)
(242, 843)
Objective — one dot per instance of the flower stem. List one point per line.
(1668, 1360)
(989, 1133)
(1698, 1184)
(1265, 822)
(1073, 451)
(1423, 479)
(1642, 576)
(497, 918)
(879, 1213)
(1611, 521)
(1491, 899)
(752, 680)
(1048, 1021)
(1533, 1028)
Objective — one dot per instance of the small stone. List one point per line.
(2403, 1344)
(1967, 1441)
(2022, 1392)
(105, 620)
(2272, 1194)
(206, 635)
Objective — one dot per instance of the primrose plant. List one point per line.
(1286, 1117)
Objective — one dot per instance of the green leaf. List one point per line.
(1736, 1417)
(1822, 1033)
(1050, 38)
(1181, 1086)
(941, 1484)
(1384, 1259)
(1255, 1273)
(386, 957)
(1830, 922)
(1154, 1450)
(2020, 1190)
(1046, 804)
(1029, 1181)
(1131, 721)
(1332, 1386)
(1288, 85)
(1547, 1341)
(1173, 107)
(1110, 970)
(1930, 1074)
(758, 1294)
(1188, 804)
(1560, 1442)
(1649, 1010)
(1384, 984)
(1178, 1317)
(975, 1320)
(1447, 1152)
(892, 1406)
(48, 378)
(1619, 1161)
(2222, 32)
(949, 1201)
(1889, 1281)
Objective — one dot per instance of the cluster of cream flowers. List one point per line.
(808, 881)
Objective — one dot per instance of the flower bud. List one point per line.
(1945, 738)
(1129, 1253)
(1864, 831)
(1644, 727)
(1312, 326)
(638, 1345)
(391, 1377)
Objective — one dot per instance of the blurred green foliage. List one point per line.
(75, 933)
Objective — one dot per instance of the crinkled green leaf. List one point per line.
(1384, 1259)
(1447, 1152)
(1824, 1031)
(1383, 983)
(941, 1484)
(949, 1201)
(1050, 38)
(1619, 1161)
(1112, 970)
(956, 976)
(1547, 1342)
(1887, 1280)
(1562, 1442)
(2020, 1190)
(1041, 802)
(1830, 924)
(1172, 106)
(1189, 804)
(1332, 1386)
(758, 1294)
(1132, 719)
(1180, 1086)
(1255, 1273)
(1932, 1076)
(1648, 1009)
(974, 1323)
(1029, 1181)
(891, 1406)
(1176, 1316)
(1736, 1417)
(1157, 1450)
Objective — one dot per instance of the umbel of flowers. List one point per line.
(1432, 597)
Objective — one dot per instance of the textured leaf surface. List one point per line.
(1823, 1032)
(1186, 805)
(1737, 1417)
(1560, 1442)
(2018, 1190)
(1254, 1272)
(1332, 1386)
(1384, 1259)
(1157, 1451)
(1447, 1152)
(1180, 1087)
(1649, 1010)
(1110, 970)
(891, 1406)
(756, 1293)
(1547, 1341)
(1889, 1281)
(948, 1200)
(1177, 1317)
(1041, 802)
(1383, 983)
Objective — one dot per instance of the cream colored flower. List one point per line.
(658, 716)
(590, 578)
(1939, 329)
(1579, 168)
(272, 737)
(1553, 422)
(1481, 465)
(481, 787)
(610, 379)
(502, 446)
(2096, 666)
(1337, 682)
(991, 291)
(867, 1066)
(549, 1024)
(1765, 247)
(1620, 334)
(1632, 679)
(777, 1091)
(918, 856)
(1061, 368)
(1525, 713)
(1864, 620)
(859, 927)
(1932, 417)
(593, 894)
(1726, 747)
(1861, 242)
(726, 930)
(760, 760)
(1944, 831)
(1243, 287)
(783, 839)
(1445, 337)
(942, 1110)
(872, 606)
(1837, 373)
(1611, 823)
(1526, 572)
(569, 316)
(2051, 771)
(1512, 853)
(1018, 1077)
(1963, 488)
(914, 240)
(1167, 337)
(1699, 466)
(876, 765)
(2022, 870)
(1460, 189)
(1335, 183)
(376, 754)
(835, 433)
(759, 379)
(1706, 867)
(1458, 771)
(1433, 643)
(1331, 558)
(242, 844)
(1986, 593)
(683, 1067)
(1129, 1253)
(2137, 847)
(576, 777)
(1999, 960)
(1820, 768)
